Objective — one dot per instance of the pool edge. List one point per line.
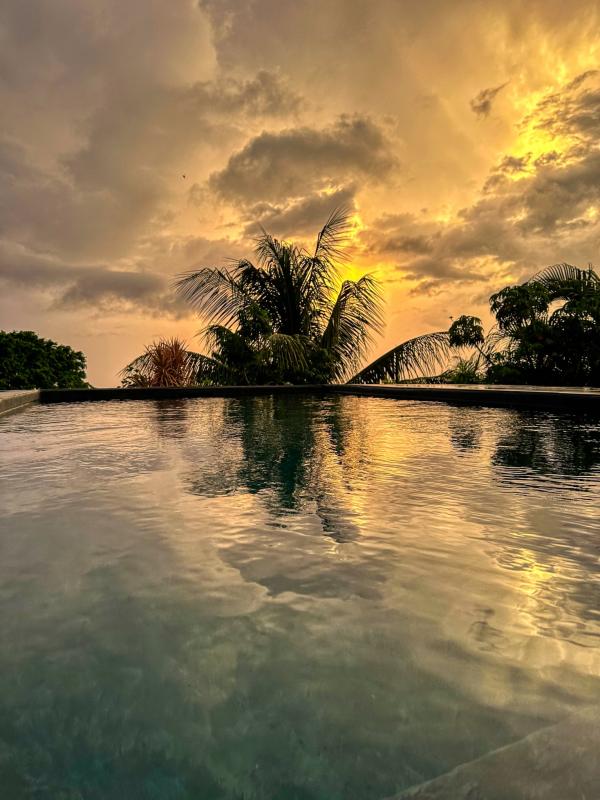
(11, 402)
(566, 399)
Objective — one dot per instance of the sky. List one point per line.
(145, 138)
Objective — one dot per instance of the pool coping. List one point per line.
(15, 400)
(559, 398)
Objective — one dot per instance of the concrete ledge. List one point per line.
(11, 401)
(89, 395)
(556, 763)
(566, 399)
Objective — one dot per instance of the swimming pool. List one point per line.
(288, 598)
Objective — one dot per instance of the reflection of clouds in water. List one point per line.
(355, 471)
(546, 466)
(254, 577)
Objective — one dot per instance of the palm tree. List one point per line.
(547, 330)
(281, 318)
(566, 282)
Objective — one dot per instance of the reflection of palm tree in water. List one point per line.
(466, 428)
(294, 454)
(549, 445)
(171, 418)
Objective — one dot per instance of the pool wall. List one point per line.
(568, 399)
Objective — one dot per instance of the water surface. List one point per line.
(288, 598)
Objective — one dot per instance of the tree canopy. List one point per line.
(547, 331)
(30, 362)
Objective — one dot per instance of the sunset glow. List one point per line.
(148, 138)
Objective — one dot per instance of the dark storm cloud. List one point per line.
(481, 104)
(135, 142)
(95, 287)
(403, 242)
(555, 196)
(42, 209)
(143, 127)
(298, 161)
(512, 164)
(304, 217)
(108, 102)
(99, 286)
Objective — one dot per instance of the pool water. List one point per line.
(287, 598)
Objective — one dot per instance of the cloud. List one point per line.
(103, 287)
(572, 111)
(303, 217)
(267, 94)
(481, 104)
(43, 209)
(94, 286)
(120, 102)
(295, 162)
(532, 211)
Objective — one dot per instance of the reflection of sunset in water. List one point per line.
(290, 582)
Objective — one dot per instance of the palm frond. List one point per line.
(217, 337)
(290, 294)
(421, 356)
(565, 280)
(355, 317)
(565, 273)
(333, 235)
(212, 371)
(273, 252)
(495, 341)
(286, 353)
(212, 292)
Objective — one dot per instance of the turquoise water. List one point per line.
(287, 598)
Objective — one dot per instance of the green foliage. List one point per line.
(519, 306)
(415, 358)
(30, 362)
(466, 332)
(550, 329)
(465, 371)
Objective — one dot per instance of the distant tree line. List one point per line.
(30, 362)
